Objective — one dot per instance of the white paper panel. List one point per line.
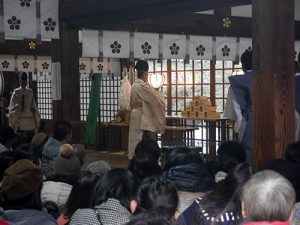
(84, 65)
(43, 64)
(116, 44)
(90, 43)
(25, 63)
(7, 63)
(200, 47)
(20, 18)
(114, 67)
(146, 45)
(174, 46)
(226, 48)
(49, 19)
(56, 81)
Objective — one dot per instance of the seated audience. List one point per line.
(222, 205)
(79, 151)
(185, 168)
(113, 199)
(98, 167)
(67, 168)
(21, 187)
(78, 200)
(62, 134)
(267, 198)
(145, 161)
(158, 197)
(288, 167)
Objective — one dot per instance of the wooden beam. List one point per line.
(189, 23)
(21, 47)
(273, 78)
(78, 13)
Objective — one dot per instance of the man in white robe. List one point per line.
(147, 117)
(23, 116)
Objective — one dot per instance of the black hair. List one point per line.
(158, 196)
(292, 153)
(117, 183)
(30, 201)
(246, 60)
(297, 69)
(6, 134)
(226, 195)
(145, 161)
(182, 156)
(149, 219)
(141, 66)
(23, 76)
(230, 154)
(8, 158)
(86, 184)
(61, 130)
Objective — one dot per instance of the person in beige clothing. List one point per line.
(147, 105)
(23, 116)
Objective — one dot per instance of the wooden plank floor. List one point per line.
(116, 160)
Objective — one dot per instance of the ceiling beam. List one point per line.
(79, 14)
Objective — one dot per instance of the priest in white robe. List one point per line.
(23, 116)
(147, 117)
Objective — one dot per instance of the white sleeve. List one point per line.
(233, 110)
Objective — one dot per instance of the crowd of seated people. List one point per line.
(48, 181)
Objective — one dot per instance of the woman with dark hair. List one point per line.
(222, 205)
(112, 200)
(145, 161)
(21, 188)
(78, 200)
(185, 168)
(158, 197)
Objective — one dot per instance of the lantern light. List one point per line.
(156, 80)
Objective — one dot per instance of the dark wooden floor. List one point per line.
(116, 160)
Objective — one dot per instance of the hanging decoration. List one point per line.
(146, 45)
(226, 22)
(200, 47)
(174, 46)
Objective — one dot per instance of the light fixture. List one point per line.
(156, 80)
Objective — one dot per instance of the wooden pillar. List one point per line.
(66, 51)
(273, 78)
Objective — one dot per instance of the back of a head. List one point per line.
(246, 60)
(228, 191)
(267, 196)
(61, 130)
(98, 167)
(6, 134)
(147, 219)
(182, 156)
(148, 147)
(79, 151)
(292, 153)
(118, 184)
(141, 66)
(158, 196)
(230, 154)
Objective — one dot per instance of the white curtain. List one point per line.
(200, 47)
(90, 43)
(49, 19)
(146, 45)
(7, 63)
(226, 48)
(116, 44)
(174, 46)
(25, 63)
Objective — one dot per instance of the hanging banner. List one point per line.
(226, 48)
(25, 63)
(20, 18)
(43, 64)
(84, 66)
(200, 47)
(174, 46)
(7, 63)
(100, 67)
(49, 19)
(116, 44)
(90, 43)
(146, 45)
